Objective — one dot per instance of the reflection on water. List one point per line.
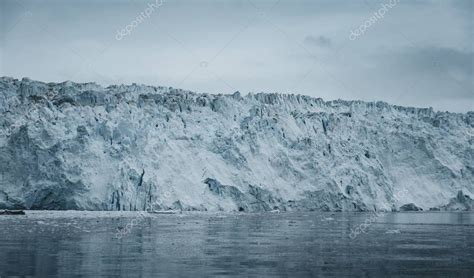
(287, 244)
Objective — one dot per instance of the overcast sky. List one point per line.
(413, 53)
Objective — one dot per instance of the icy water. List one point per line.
(273, 244)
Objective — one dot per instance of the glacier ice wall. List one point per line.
(82, 146)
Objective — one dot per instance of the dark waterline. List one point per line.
(271, 244)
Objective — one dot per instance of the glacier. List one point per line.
(80, 146)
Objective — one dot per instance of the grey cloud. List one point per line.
(416, 76)
(321, 41)
(440, 59)
(463, 5)
(446, 72)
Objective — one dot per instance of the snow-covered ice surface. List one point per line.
(204, 244)
(82, 146)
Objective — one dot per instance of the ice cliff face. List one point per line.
(81, 146)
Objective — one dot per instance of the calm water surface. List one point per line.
(273, 244)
